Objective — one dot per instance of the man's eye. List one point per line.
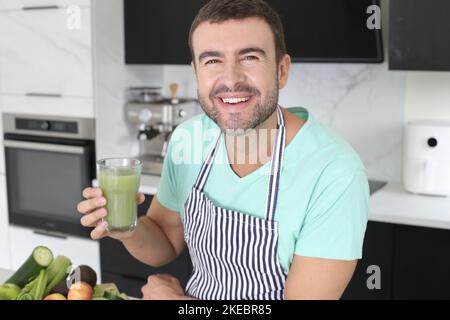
(212, 61)
(250, 58)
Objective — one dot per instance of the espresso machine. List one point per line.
(156, 118)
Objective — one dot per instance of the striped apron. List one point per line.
(234, 255)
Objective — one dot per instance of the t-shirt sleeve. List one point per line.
(336, 220)
(167, 190)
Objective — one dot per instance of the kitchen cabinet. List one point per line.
(130, 274)
(4, 237)
(49, 106)
(331, 22)
(41, 57)
(377, 251)
(422, 263)
(19, 4)
(80, 251)
(416, 35)
(414, 263)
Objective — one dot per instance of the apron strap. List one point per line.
(206, 167)
(275, 170)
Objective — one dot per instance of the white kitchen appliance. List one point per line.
(426, 157)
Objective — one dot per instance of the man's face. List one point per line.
(238, 76)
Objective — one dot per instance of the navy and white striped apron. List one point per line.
(234, 255)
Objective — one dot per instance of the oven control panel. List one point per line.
(46, 125)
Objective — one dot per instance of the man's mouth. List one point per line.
(234, 103)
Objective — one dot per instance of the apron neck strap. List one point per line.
(275, 170)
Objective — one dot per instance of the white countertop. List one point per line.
(149, 184)
(393, 204)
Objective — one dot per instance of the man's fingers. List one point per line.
(162, 276)
(140, 198)
(87, 206)
(92, 193)
(99, 231)
(89, 220)
(166, 276)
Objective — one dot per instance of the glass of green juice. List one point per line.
(119, 180)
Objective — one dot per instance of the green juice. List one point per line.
(120, 187)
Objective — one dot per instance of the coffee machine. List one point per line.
(156, 118)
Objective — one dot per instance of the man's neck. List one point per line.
(249, 151)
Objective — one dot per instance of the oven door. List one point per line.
(45, 178)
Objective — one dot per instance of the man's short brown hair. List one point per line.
(216, 11)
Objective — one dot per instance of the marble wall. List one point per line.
(362, 102)
(113, 135)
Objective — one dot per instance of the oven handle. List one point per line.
(49, 234)
(43, 146)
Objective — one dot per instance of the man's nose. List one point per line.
(233, 74)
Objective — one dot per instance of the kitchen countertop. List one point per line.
(393, 204)
(149, 183)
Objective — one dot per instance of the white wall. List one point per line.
(427, 96)
(114, 137)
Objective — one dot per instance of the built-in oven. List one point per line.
(49, 161)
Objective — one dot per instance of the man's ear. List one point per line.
(283, 70)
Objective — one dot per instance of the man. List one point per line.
(290, 225)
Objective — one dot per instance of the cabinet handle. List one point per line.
(40, 7)
(44, 95)
(49, 234)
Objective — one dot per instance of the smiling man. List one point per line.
(286, 226)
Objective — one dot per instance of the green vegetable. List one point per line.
(25, 296)
(34, 289)
(57, 271)
(112, 295)
(40, 258)
(100, 289)
(39, 288)
(27, 290)
(124, 296)
(109, 291)
(9, 291)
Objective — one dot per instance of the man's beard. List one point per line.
(236, 123)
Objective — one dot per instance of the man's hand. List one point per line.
(162, 287)
(93, 211)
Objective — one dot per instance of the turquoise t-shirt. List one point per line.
(323, 198)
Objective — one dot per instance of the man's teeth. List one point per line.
(235, 100)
